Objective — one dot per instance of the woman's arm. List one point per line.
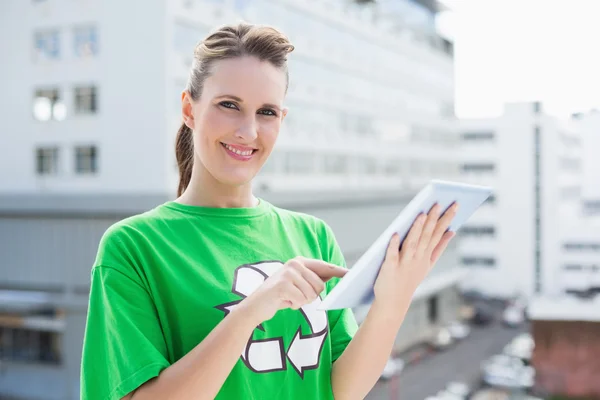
(357, 370)
(201, 373)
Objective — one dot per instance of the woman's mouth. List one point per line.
(239, 153)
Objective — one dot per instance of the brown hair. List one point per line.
(229, 41)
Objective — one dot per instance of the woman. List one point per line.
(215, 294)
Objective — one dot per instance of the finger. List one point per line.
(430, 223)
(443, 224)
(393, 251)
(409, 245)
(313, 279)
(439, 249)
(293, 296)
(301, 283)
(323, 269)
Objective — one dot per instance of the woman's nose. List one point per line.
(248, 130)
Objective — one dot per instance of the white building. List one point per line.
(90, 86)
(524, 239)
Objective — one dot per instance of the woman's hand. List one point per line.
(298, 282)
(404, 269)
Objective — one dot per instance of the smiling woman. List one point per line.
(216, 294)
(232, 106)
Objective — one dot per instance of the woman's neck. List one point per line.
(205, 191)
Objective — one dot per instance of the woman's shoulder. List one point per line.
(309, 221)
(124, 238)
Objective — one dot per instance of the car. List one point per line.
(442, 339)
(459, 389)
(520, 347)
(506, 372)
(455, 391)
(483, 315)
(513, 316)
(458, 330)
(393, 367)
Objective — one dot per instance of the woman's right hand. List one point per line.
(298, 282)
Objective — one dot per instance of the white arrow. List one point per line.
(305, 351)
(265, 355)
(317, 319)
(248, 278)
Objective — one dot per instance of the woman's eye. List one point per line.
(228, 104)
(268, 112)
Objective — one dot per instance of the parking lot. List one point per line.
(461, 362)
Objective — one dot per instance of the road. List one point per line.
(459, 363)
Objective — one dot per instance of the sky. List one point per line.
(524, 50)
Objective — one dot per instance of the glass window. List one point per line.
(47, 45)
(86, 160)
(85, 40)
(299, 163)
(48, 105)
(86, 100)
(29, 345)
(486, 262)
(46, 159)
(336, 164)
(476, 168)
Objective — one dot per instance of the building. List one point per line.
(89, 86)
(565, 330)
(528, 229)
(565, 317)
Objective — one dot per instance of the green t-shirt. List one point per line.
(164, 279)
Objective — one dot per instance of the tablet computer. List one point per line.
(356, 287)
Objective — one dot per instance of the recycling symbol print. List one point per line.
(269, 355)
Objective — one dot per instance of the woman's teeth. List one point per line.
(239, 152)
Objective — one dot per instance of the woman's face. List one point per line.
(237, 119)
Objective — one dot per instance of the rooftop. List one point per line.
(565, 308)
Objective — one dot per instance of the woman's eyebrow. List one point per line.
(239, 100)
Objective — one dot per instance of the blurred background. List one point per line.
(384, 96)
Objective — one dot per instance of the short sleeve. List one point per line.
(123, 343)
(342, 323)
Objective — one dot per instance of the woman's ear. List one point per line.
(187, 109)
(284, 112)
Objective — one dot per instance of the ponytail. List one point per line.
(184, 152)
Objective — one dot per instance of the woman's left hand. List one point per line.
(404, 269)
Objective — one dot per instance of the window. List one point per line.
(299, 163)
(33, 336)
(86, 160)
(591, 207)
(47, 105)
(478, 168)
(483, 136)
(570, 164)
(46, 160)
(47, 45)
(486, 262)
(480, 231)
(432, 308)
(581, 246)
(336, 164)
(570, 192)
(86, 100)
(85, 41)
